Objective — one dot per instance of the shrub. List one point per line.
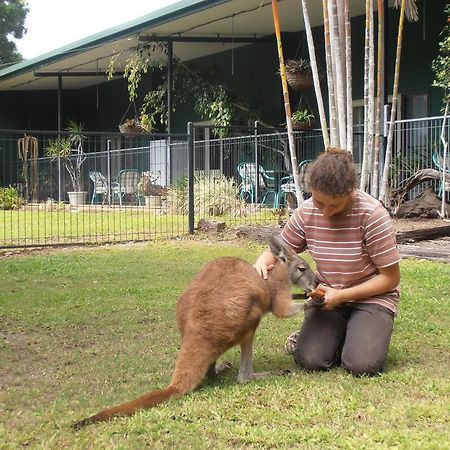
(9, 198)
(213, 196)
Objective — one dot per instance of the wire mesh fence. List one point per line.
(114, 202)
(149, 186)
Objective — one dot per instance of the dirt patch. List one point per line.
(417, 224)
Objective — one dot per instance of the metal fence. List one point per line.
(142, 187)
(417, 146)
(190, 177)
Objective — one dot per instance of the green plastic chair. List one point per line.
(287, 185)
(247, 188)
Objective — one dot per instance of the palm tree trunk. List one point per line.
(315, 73)
(287, 105)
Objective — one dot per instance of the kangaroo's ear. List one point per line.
(279, 249)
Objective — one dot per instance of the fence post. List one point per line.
(108, 168)
(190, 142)
(256, 163)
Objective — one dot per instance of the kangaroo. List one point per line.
(221, 308)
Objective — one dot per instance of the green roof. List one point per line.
(166, 14)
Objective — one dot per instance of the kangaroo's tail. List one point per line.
(190, 370)
(129, 408)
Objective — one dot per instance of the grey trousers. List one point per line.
(356, 335)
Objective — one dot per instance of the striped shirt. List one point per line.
(348, 249)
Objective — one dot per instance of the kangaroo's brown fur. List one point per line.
(222, 307)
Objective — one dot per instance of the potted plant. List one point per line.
(152, 192)
(70, 150)
(303, 119)
(142, 124)
(299, 74)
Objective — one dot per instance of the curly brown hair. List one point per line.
(333, 173)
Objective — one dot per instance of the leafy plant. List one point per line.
(212, 99)
(298, 65)
(9, 198)
(303, 116)
(70, 150)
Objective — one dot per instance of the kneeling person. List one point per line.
(350, 237)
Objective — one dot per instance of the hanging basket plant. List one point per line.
(303, 119)
(139, 124)
(298, 74)
(131, 126)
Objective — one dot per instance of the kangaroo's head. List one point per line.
(300, 273)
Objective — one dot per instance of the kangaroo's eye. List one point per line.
(301, 268)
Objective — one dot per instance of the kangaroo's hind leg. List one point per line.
(246, 364)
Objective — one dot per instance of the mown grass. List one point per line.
(38, 226)
(83, 329)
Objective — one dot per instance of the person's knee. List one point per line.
(312, 361)
(362, 366)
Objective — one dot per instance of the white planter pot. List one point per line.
(77, 198)
(153, 201)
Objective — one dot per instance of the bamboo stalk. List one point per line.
(365, 161)
(330, 77)
(444, 162)
(388, 155)
(376, 156)
(315, 73)
(339, 73)
(348, 70)
(287, 105)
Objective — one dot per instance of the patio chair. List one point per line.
(438, 160)
(126, 184)
(287, 185)
(267, 184)
(100, 189)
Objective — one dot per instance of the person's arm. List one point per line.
(264, 263)
(387, 279)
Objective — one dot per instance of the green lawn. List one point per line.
(38, 226)
(83, 329)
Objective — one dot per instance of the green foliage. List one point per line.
(212, 100)
(213, 196)
(70, 150)
(12, 14)
(9, 198)
(303, 116)
(441, 65)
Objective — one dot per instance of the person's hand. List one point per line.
(263, 269)
(333, 297)
(264, 264)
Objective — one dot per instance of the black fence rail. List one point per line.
(134, 187)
